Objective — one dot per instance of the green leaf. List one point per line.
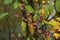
(19, 4)
(19, 35)
(40, 11)
(50, 7)
(25, 1)
(35, 17)
(23, 25)
(29, 9)
(16, 5)
(8, 1)
(46, 13)
(28, 38)
(58, 6)
(3, 15)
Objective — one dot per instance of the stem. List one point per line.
(5, 10)
(9, 29)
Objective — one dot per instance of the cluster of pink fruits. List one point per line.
(41, 18)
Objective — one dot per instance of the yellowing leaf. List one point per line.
(31, 29)
(48, 1)
(58, 18)
(43, 1)
(54, 23)
(49, 38)
(56, 35)
(43, 10)
(58, 29)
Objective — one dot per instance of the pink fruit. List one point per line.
(28, 14)
(40, 19)
(17, 15)
(47, 33)
(30, 19)
(42, 15)
(39, 31)
(24, 19)
(47, 30)
(38, 39)
(34, 24)
(23, 5)
(29, 25)
(21, 8)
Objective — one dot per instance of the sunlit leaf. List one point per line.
(16, 5)
(50, 7)
(3, 15)
(23, 25)
(58, 18)
(58, 5)
(19, 4)
(56, 35)
(35, 17)
(31, 28)
(49, 38)
(29, 9)
(46, 13)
